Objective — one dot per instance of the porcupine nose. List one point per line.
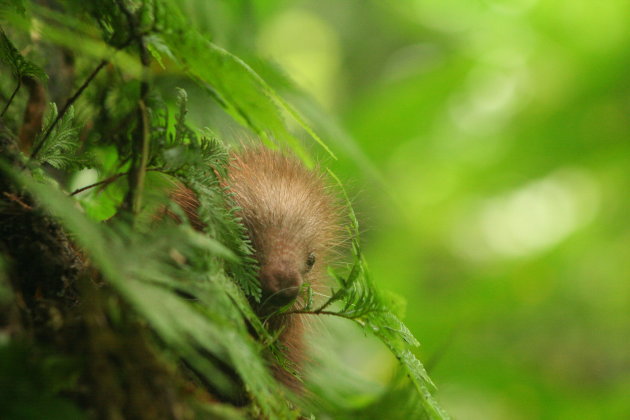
(280, 283)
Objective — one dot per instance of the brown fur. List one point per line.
(290, 214)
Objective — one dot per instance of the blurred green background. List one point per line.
(486, 144)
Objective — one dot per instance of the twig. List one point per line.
(19, 85)
(331, 313)
(111, 179)
(74, 97)
(319, 311)
(96, 184)
(69, 102)
(333, 298)
(18, 200)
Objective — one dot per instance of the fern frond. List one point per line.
(60, 148)
(20, 66)
(357, 299)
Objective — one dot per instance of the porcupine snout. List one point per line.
(281, 271)
(281, 282)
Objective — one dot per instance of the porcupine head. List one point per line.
(293, 221)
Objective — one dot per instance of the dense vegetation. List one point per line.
(108, 312)
(484, 145)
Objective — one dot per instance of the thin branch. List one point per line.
(69, 102)
(322, 310)
(331, 300)
(331, 313)
(111, 179)
(17, 88)
(18, 200)
(74, 97)
(106, 181)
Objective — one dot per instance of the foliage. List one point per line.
(142, 297)
(31, 382)
(360, 302)
(19, 65)
(58, 145)
(501, 131)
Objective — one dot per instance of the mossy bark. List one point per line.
(60, 304)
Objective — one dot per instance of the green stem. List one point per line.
(139, 162)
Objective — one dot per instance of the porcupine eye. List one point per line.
(310, 261)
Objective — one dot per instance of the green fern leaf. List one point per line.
(20, 66)
(60, 148)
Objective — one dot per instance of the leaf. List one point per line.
(60, 149)
(143, 272)
(157, 49)
(199, 162)
(16, 5)
(65, 28)
(235, 85)
(359, 300)
(20, 66)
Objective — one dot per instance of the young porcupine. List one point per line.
(293, 221)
